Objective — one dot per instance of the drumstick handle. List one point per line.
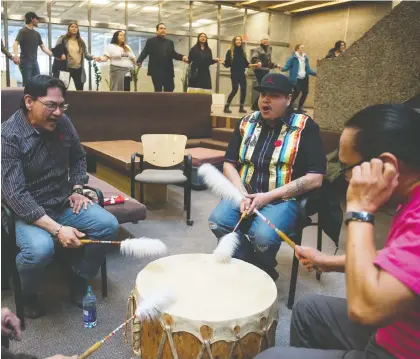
(91, 350)
(244, 215)
(283, 236)
(93, 241)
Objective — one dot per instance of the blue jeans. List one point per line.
(37, 245)
(263, 243)
(28, 71)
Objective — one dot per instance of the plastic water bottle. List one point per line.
(89, 308)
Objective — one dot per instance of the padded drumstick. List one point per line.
(228, 244)
(135, 247)
(148, 310)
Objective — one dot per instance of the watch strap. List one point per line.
(359, 217)
(77, 190)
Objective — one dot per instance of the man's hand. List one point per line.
(185, 59)
(69, 237)
(279, 67)
(245, 204)
(371, 186)
(59, 356)
(259, 200)
(311, 257)
(10, 324)
(63, 57)
(258, 65)
(139, 64)
(77, 201)
(16, 60)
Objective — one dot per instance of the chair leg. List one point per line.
(141, 193)
(187, 189)
(104, 280)
(293, 280)
(185, 196)
(319, 246)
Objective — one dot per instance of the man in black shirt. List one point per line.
(161, 51)
(29, 40)
(273, 157)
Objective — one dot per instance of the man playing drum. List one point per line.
(273, 157)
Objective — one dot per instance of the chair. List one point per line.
(163, 151)
(11, 250)
(310, 205)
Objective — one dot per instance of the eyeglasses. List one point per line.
(53, 106)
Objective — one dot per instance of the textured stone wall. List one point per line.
(382, 66)
(319, 30)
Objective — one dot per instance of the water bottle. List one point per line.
(89, 308)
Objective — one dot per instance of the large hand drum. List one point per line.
(223, 310)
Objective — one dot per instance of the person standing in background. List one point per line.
(200, 58)
(74, 49)
(161, 68)
(262, 55)
(29, 39)
(122, 61)
(6, 52)
(299, 71)
(337, 50)
(238, 63)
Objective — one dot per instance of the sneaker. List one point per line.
(32, 307)
(77, 288)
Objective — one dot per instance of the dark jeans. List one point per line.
(29, 70)
(76, 75)
(237, 80)
(320, 329)
(163, 83)
(302, 86)
(259, 76)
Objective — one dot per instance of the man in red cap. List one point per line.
(273, 157)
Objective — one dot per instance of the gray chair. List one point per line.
(165, 153)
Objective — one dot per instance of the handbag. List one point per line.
(65, 77)
(193, 74)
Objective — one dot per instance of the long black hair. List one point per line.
(392, 128)
(114, 40)
(206, 44)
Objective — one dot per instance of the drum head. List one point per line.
(206, 290)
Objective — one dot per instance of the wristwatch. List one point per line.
(78, 191)
(359, 217)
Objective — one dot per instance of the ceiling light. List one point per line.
(151, 8)
(250, 11)
(285, 3)
(330, 3)
(100, 2)
(230, 8)
(247, 2)
(121, 5)
(204, 21)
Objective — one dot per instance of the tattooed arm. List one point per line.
(299, 186)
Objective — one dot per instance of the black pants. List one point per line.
(163, 83)
(76, 75)
(320, 329)
(259, 76)
(237, 80)
(127, 81)
(302, 86)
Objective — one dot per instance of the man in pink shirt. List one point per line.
(380, 153)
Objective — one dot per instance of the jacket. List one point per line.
(292, 65)
(62, 65)
(263, 55)
(161, 52)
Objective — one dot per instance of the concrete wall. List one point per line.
(382, 66)
(319, 30)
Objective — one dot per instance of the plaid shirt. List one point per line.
(39, 169)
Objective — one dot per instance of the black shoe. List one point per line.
(32, 308)
(242, 109)
(77, 287)
(226, 109)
